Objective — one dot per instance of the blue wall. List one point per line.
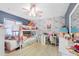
(7, 15)
(69, 10)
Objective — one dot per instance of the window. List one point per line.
(11, 25)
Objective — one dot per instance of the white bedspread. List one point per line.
(11, 44)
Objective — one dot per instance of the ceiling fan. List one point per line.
(33, 10)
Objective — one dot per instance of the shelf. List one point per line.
(29, 30)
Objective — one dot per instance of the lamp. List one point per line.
(33, 10)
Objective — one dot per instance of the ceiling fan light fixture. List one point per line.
(33, 10)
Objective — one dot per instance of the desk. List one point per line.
(64, 49)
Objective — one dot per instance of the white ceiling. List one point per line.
(49, 9)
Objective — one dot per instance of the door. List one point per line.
(1, 41)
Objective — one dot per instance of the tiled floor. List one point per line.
(36, 49)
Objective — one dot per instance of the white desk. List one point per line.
(63, 44)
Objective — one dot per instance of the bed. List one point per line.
(11, 45)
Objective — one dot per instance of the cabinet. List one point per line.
(43, 39)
